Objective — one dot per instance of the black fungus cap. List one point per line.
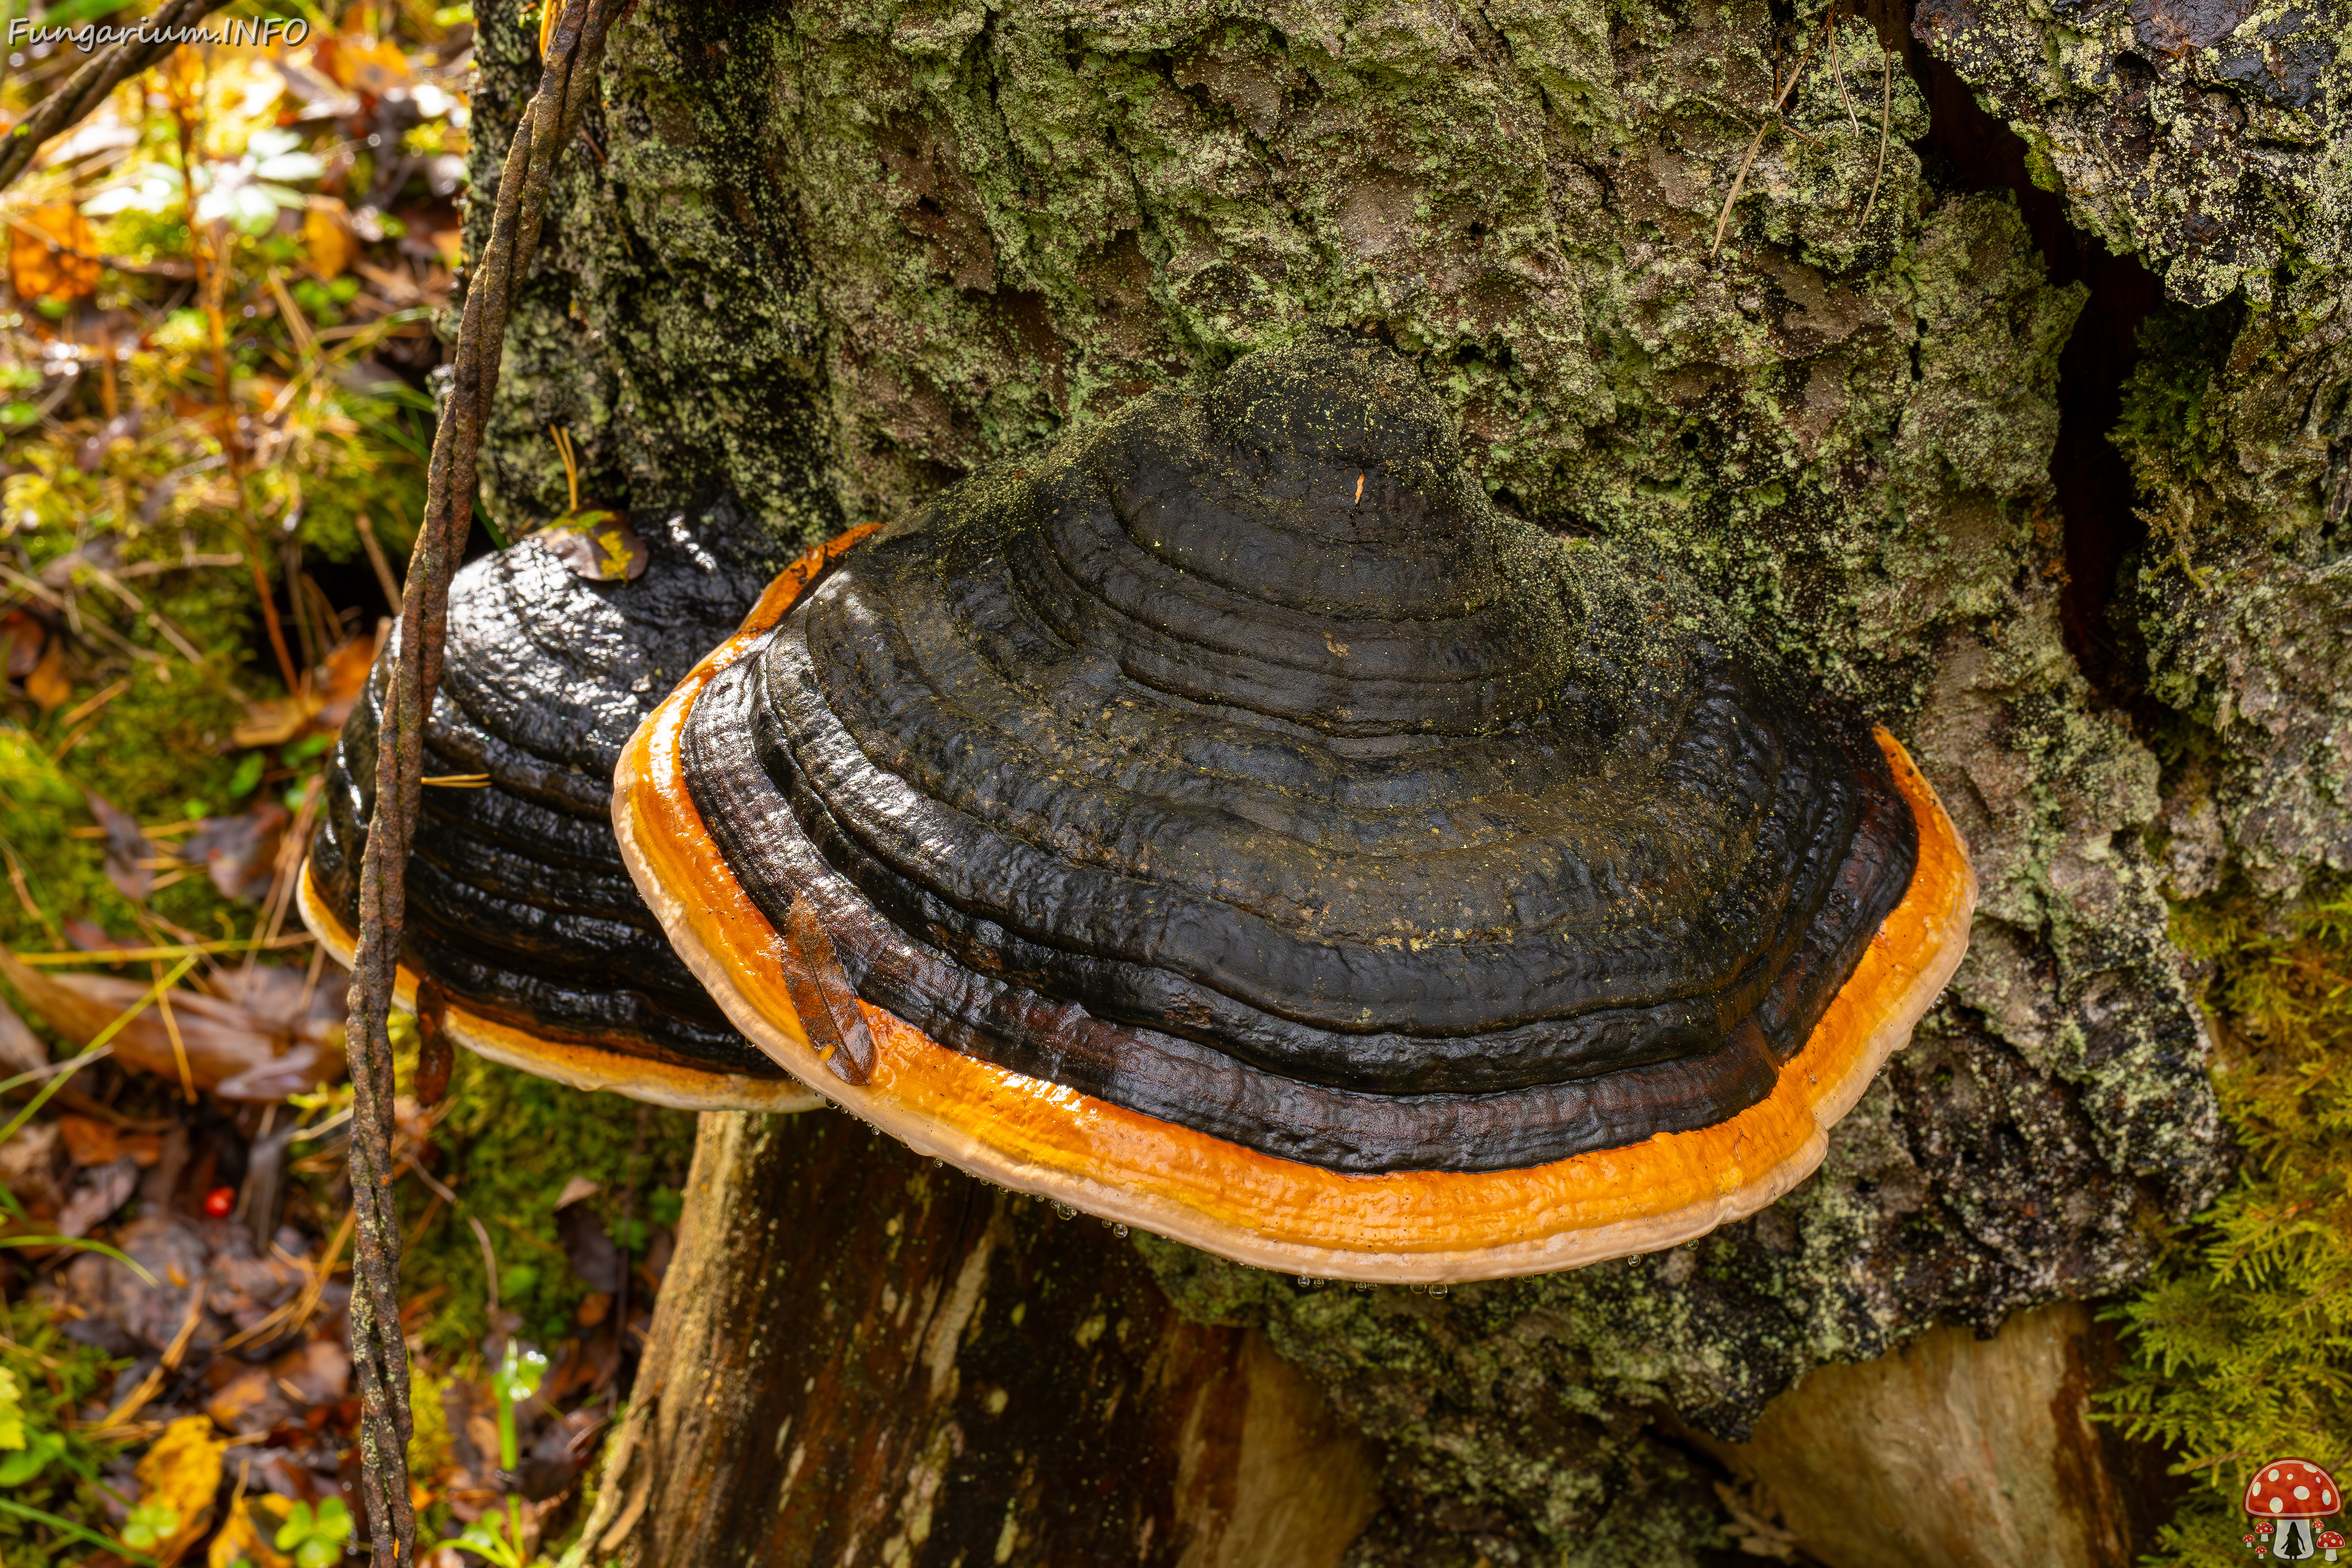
(1238, 762)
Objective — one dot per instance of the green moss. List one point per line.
(2241, 1341)
(163, 658)
(428, 1437)
(145, 753)
(52, 1378)
(509, 1145)
(669, 330)
(2164, 430)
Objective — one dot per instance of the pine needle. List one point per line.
(1886, 123)
(1838, 69)
(1772, 118)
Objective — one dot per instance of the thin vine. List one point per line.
(573, 52)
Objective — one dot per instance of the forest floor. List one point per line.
(211, 461)
(216, 359)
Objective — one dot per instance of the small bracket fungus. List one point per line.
(1232, 824)
(519, 906)
(2289, 1495)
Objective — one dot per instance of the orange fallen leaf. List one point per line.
(243, 1539)
(90, 1141)
(276, 721)
(328, 238)
(24, 638)
(52, 255)
(47, 685)
(341, 679)
(356, 62)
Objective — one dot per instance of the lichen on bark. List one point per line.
(2183, 130)
(667, 323)
(836, 257)
(2212, 141)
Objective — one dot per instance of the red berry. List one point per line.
(220, 1201)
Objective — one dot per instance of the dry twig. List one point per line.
(574, 50)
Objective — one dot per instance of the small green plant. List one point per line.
(485, 1538)
(12, 1410)
(152, 1525)
(518, 1379)
(316, 1538)
(51, 1511)
(26, 1463)
(515, 1380)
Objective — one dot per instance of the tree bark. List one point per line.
(834, 256)
(862, 1356)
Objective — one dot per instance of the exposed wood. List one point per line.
(1956, 1452)
(861, 1357)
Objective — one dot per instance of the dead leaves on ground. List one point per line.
(35, 658)
(266, 1032)
(240, 852)
(130, 858)
(320, 706)
(327, 236)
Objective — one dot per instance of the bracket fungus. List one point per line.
(1230, 823)
(518, 907)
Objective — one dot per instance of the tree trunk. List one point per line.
(862, 1356)
(1854, 365)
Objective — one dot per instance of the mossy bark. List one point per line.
(834, 257)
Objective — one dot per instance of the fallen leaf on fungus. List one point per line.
(598, 545)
